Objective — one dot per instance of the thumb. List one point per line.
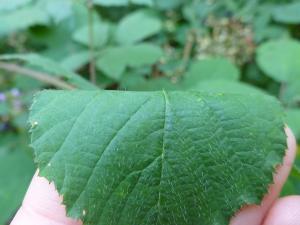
(42, 205)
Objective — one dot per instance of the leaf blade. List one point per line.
(143, 169)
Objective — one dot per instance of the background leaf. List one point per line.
(31, 15)
(7, 5)
(51, 67)
(212, 69)
(100, 31)
(293, 120)
(122, 2)
(288, 13)
(16, 170)
(137, 26)
(113, 61)
(280, 59)
(224, 86)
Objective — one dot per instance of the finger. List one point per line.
(42, 205)
(256, 214)
(285, 211)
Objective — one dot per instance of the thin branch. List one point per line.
(92, 67)
(188, 46)
(282, 90)
(44, 77)
(187, 52)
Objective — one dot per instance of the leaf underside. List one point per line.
(156, 158)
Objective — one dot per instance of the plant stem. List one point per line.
(187, 51)
(282, 90)
(92, 67)
(44, 77)
(188, 47)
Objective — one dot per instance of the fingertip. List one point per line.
(284, 169)
(285, 211)
(42, 205)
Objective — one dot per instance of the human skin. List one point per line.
(42, 203)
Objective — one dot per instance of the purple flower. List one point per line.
(2, 97)
(15, 92)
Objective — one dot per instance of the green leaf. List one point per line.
(7, 5)
(57, 9)
(52, 67)
(111, 2)
(137, 26)
(22, 18)
(280, 59)
(16, 170)
(224, 86)
(212, 69)
(160, 158)
(113, 61)
(168, 5)
(293, 121)
(290, 93)
(287, 13)
(122, 2)
(4, 109)
(132, 83)
(100, 31)
(271, 32)
(210, 86)
(76, 60)
(292, 186)
(142, 2)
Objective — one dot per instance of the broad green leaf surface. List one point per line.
(49, 66)
(224, 86)
(122, 2)
(22, 18)
(288, 13)
(7, 5)
(142, 2)
(137, 26)
(271, 32)
(165, 158)
(100, 34)
(280, 59)
(211, 69)
(57, 9)
(167, 5)
(76, 60)
(111, 2)
(113, 61)
(142, 84)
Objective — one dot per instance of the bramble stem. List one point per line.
(92, 67)
(41, 76)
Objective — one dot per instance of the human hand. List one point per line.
(42, 204)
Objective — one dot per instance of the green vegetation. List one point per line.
(249, 47)
(157, 157)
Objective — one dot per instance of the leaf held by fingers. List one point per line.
(164, 158)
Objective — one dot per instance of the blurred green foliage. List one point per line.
(239, 46)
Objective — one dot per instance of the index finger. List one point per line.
(42, 205)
